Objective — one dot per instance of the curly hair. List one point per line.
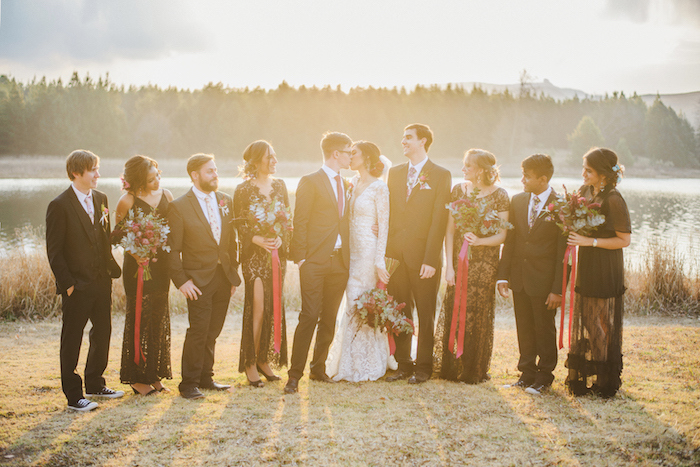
(605, 162)
(371, 153)
(136, 170)
(485, 161)
(252, 156)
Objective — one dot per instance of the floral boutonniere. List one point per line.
(105, 215)
(422, 182)
(223, 206)
(349, 191)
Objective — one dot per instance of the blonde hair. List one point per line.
(485, 161)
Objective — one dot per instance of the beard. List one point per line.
(209, 186)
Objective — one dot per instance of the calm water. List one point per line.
(668, 209)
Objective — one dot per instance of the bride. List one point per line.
(362, 353)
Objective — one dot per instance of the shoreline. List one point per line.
(20, 167)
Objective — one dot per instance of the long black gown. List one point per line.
(155, 314)
(256, 263)
(473, 366)
(595, 357)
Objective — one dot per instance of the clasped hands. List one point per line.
(268, 244)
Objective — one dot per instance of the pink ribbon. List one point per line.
(570, 250)
(277, 299)
(138, 353)
(459, 309)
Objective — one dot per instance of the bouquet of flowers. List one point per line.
(574, 213)
(269, 220)
(473, 215)
(142, 235)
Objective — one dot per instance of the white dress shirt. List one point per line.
(543, 199)
(81, 197)
(212, 197)
(331, 175)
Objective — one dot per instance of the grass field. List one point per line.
(655, 419)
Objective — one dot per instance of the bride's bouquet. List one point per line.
(142, 235)
(377, 309)
(269, 220)
(574, 213)
(473, 215)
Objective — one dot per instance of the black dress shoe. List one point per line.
(418, 378)
(214, 386)
(272, 377)
(191, 393)
(520, 384)
(399, 375)
(292, 386)
(256, 384)
(321, 377)
(537, 389)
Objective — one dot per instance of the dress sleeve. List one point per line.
(241, 201)
(502, 200)
(618, 215)
(382, 202)
(456, 192)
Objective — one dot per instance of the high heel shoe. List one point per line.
(149, 393)
(272, 377)
(256, 384)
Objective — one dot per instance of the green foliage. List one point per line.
(50, 118)
(585, 136)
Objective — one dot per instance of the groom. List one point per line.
(418, 192)
(532, 266)
(320, 246)
(203, 264)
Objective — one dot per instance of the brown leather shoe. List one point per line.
(418, 378)
(292, 386)
(214, 386)
(399, 375)
(191, 393)
(321, 377)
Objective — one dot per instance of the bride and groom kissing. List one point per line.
(342, 233)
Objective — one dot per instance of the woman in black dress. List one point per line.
(260, 188)
(141, 181)
(595, 356)
(480, 172)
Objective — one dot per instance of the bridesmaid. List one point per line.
(259, 187)
(472, 367)
(596, 342)
(141, 181)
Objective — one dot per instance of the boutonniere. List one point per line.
(422, 182)
(223, 206)
(350, 190)
(105, 215)
(549, 213)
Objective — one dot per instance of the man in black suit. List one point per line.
(532, 265)
(203, 264)
(320, 246)
(418, 192)
(77, 243)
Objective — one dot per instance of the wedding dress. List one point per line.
(362, 353)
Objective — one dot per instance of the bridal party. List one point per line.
(372, 251)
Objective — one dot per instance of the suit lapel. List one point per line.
(331, 191)
(424, 171)
(540, 217)
(82, 215)
(224, 219)
(200, 214)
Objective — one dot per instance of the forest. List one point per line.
(45, 117)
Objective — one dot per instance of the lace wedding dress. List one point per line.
(362, 354)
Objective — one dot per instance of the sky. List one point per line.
(597, 46)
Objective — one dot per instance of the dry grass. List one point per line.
(655, 420)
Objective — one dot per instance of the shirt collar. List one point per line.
(418, 166)
(81, 196)
(201, 195)
(330, 172)
(542, 196)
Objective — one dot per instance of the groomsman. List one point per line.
(532, 266)
(77, 243)
(418, 192)
(203, 264)
(320, 246)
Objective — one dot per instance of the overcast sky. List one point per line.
(597, 46)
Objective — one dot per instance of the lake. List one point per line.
(659, 208)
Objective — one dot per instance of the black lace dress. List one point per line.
(473, 366)
(155, 314)
(595, 357)
(256, 263)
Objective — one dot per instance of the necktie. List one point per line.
(212, 220)
(533, 211)
(90, 208)
(341, 195)
(412, 176)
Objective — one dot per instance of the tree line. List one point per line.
(44, 117)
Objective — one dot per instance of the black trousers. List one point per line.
(206, 318)
(407, 287)
(322, 288)
(537, 337)
(94, 304)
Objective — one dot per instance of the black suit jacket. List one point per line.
(316, 221)
(533, 259)
(417, 225)
(194, 252)
(79, 251)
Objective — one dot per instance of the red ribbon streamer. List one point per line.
(138, 353)
(459, 309)
(277, 299)
(389, 331)
(572, 251)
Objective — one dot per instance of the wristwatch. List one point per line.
(595, 242)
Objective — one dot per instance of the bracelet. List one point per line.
(595, 242)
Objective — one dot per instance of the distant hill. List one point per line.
(687, 103)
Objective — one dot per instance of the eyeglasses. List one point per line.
(345, 151)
